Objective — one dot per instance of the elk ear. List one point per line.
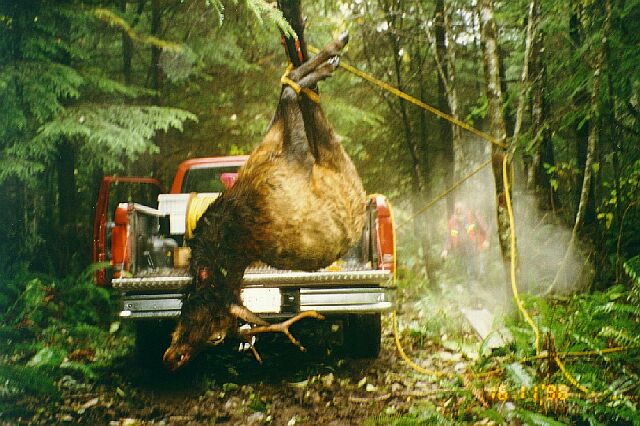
(245, 314)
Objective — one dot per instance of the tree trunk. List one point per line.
(488, 38)
(582, 126)
(477, 48)
(66, 238)
(533, 80)
(594, 114)
(537, 73)
(417, 172)
(127, 49)
(462, 152)
(422, 226)
(525, 78)
(394, 16)
(615, 137)
(445, 128)
(155, 51)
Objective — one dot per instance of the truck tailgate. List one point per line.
(330, 292)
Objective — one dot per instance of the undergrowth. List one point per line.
(53, 332)
(581, 329)
(524, 388)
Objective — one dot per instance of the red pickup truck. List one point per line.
(146, 248)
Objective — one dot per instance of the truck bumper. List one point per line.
(268, 293)
(326, 300)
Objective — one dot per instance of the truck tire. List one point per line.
(362, 334)
(152, 339)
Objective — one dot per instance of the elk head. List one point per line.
(204, 323)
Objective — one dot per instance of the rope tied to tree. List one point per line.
(417, 102)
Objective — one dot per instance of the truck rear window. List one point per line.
(206, 179)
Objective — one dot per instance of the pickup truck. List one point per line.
(145, 245)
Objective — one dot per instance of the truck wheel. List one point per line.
(152, 339)
(362, 335)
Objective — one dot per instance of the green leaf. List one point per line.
(537, 419)
(519, 375)
(25, 379)
(47, 357)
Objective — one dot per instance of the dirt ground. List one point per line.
(228, 387)
(321, 386)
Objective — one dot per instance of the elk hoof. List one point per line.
(344, 38)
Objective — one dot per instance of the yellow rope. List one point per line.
(445, 193)
(196, 207)
(512, 234)
(404, 356)
(514, 287)
(313, 96)
(391, 89)
(544, 355)
(568, 375)
(516, 295)
(394, 317)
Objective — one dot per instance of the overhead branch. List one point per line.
(108, 17)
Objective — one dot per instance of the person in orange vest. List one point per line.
(467, 238)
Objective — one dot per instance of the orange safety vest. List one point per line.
(469, 228)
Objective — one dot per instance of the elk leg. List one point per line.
(320, 73)
(283, 327)
(295, 141)
(328, 149)
(332, 49)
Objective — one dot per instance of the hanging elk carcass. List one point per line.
(298, 203)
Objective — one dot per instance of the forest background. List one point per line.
(93, 88)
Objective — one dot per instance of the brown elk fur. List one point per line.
(293, 207)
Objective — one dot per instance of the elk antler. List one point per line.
(241, 312)
(282, 327)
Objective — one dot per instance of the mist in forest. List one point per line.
(542, 242)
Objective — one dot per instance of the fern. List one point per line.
(632, 268)
(95, 80)
(28, 380)
(262, 8)
(218, 7)
(621, 337)
(618, 308)
(533, 418)
(589, 322)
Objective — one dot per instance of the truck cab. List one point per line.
(146, 247)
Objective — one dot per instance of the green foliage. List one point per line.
(537, 419)
(112, 131)
(21, 379)
(67, 118)
(55, 328)
(62, 81)
(421, 414)
(592, 323)
(632, 268)
(262, 8)
(116, 21)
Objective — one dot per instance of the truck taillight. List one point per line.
(119, 237)
(385, 235)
